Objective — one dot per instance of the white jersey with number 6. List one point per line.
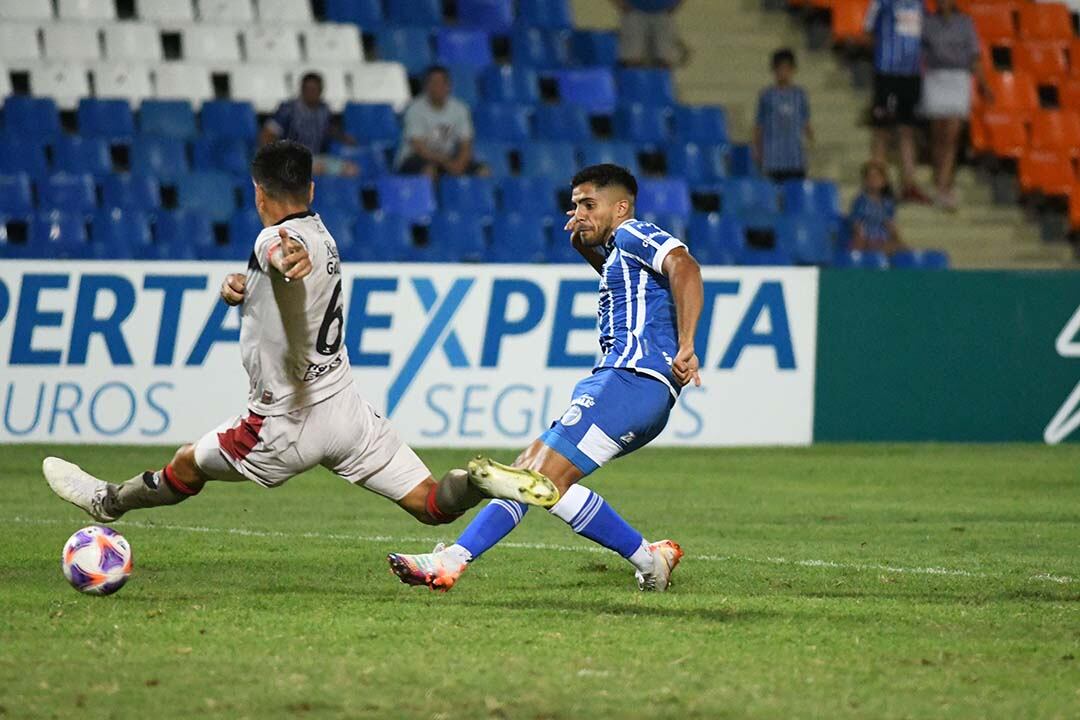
(291, 333)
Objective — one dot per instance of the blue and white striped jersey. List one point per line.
(782, 114)
(636, 315)
(897, 29)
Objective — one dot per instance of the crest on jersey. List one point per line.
(571, 416)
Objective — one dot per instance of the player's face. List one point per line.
(597, 211)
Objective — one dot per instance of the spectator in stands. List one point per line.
(783, 121)
(647, 36)
(951, 53)
(308, 121)
(873, 213)
(896, 26)
(438, 133)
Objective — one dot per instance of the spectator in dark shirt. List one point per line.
(647, 35)
(873, 213)
(308, 121)
(783, 120)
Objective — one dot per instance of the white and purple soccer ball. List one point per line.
(96, 560)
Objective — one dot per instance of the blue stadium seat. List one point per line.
(674, 225)
(381, 237)
(73, 154)
(594, 47)
(667, 195)
(244, 226)
(528, 195)
(340, 225)
(646, 124)
(509, 84)
(557, 160)
(110, 119)
(372, 161)
(502, 121)
(559, 248)
(121, 234)
(647, 86)
(410, 46)
(179, 235)
(518, 237)
(164, 157)
(706, 125)
(23, 155)
(810, 197)
(495, 16)
(465, 85)
(776, 255)
(618, 153)
(208, 192)
(131, 192)
(466, 194)
(861, 260)
(408, 196)
(168, 118)
(544, 14)
(456, 237)
(372, 123)
(716, 239)
(538, 48)
(228, 119)
(807, 238)
(699, 164)
(563, 122)
(591, 88)
(59, 235)
(342, 193)
(368, 14)
(31, 117)
(471, 48)
(68, 193)
(427, 13)
(496, 155)
(231, 155)
(743, 196)
(741, 161)
(920, 260)
(15, 194)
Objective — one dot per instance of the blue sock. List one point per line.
(589, 515)
(491, 525)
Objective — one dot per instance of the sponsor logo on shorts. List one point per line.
(316, 370)
(627, 438)
(571, 416)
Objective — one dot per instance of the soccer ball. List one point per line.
(96, 560)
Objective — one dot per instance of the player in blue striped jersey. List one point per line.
(650, 299)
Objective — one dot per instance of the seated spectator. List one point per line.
(647, 36)
(873, 213)
(308, 121)
(783, 120)
(438, 133)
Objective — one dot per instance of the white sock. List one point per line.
(642, 558)
(459, 553)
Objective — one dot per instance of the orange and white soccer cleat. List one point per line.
(666, 556)
(438, 570)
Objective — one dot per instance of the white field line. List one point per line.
(829, 564)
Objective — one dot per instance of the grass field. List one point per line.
(838, 581)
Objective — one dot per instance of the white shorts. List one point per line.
(342, 433)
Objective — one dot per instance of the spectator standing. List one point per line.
(647, 35)
(873, 213)
(896, 26)
(783, 121)
(951, 53)
(308, 121)
(438, 133)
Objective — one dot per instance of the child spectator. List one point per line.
(783, 121)
(873, 213)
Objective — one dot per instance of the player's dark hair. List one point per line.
(309, 77)
(436, 70)
(783, 55)
(605, 175)
(283, 170)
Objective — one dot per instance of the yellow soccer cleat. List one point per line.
(510, 483)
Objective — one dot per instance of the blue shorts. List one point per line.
(613, 412)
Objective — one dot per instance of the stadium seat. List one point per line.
(262, 85)
(68, 193)
(26, 10)
(562, 122)
(163, 157)
(64, 81)
(111, 120)
(230, 155)
(15, 194)
(594, 48)
(553, 159)
(698, 164)
(1006, 133)
(861, 260)
(1047, 172)
(502, 121)
(271, 44)
(223, 12)
(674, 225)
(79, 155)
(372, 123)
(372, 161)
(495, 16)
(468, 48)
(553, 14)
(645, 124)
(467, 194)
(755, 256)
(368, 14)
(339, 223)
(647, 86)
(59, 235)
(741, 161)
(706, 125)
(381, 237)
(744, 196)
(329, 43)
(19, 42)
(509, 84)
(23, 155)
(667, 195)
(167, 118)
(210, 43)
(165, 11)
(716, 239)
(140, 42)
(131, 191)
(456, 237)
(409, 196)
(208, 192)
(1056, 130)
(381, 82)
(540, 49)
(528, 195)
(993, 22)
(1042, 60)
(496, 155)
(71, 41)
(31, 117)
(86, 9)
(592, 88)
(244, 226)
(806, 238)
(1069, 91)
(178, 235)
(342, 193)
(848, 28)
(126, 81)
(1045, 21)
(183, 81)
(228, 119)
(284, 12)
(920, 260)
(120, 234)
(618, 153)
(465, 85)
(518, 237)
(427, 13)
(410, 46)
(811, 197)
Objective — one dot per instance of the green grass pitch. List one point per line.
(876, 581)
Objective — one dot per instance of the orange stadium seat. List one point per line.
(1069, 94)
(1006, 133)
(1014, 92)
(1056, 130)
(1045, 21)
(1047, 172)
(848, 17)
(994, 23)
(1041, 59)
(1074, 58)
(1074, 209)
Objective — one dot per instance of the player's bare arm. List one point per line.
(290, 257)
(689, 293)
(233, 287)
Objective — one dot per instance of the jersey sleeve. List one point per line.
(269, 241)
(647, 244)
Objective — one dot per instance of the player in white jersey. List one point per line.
(303, 409)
